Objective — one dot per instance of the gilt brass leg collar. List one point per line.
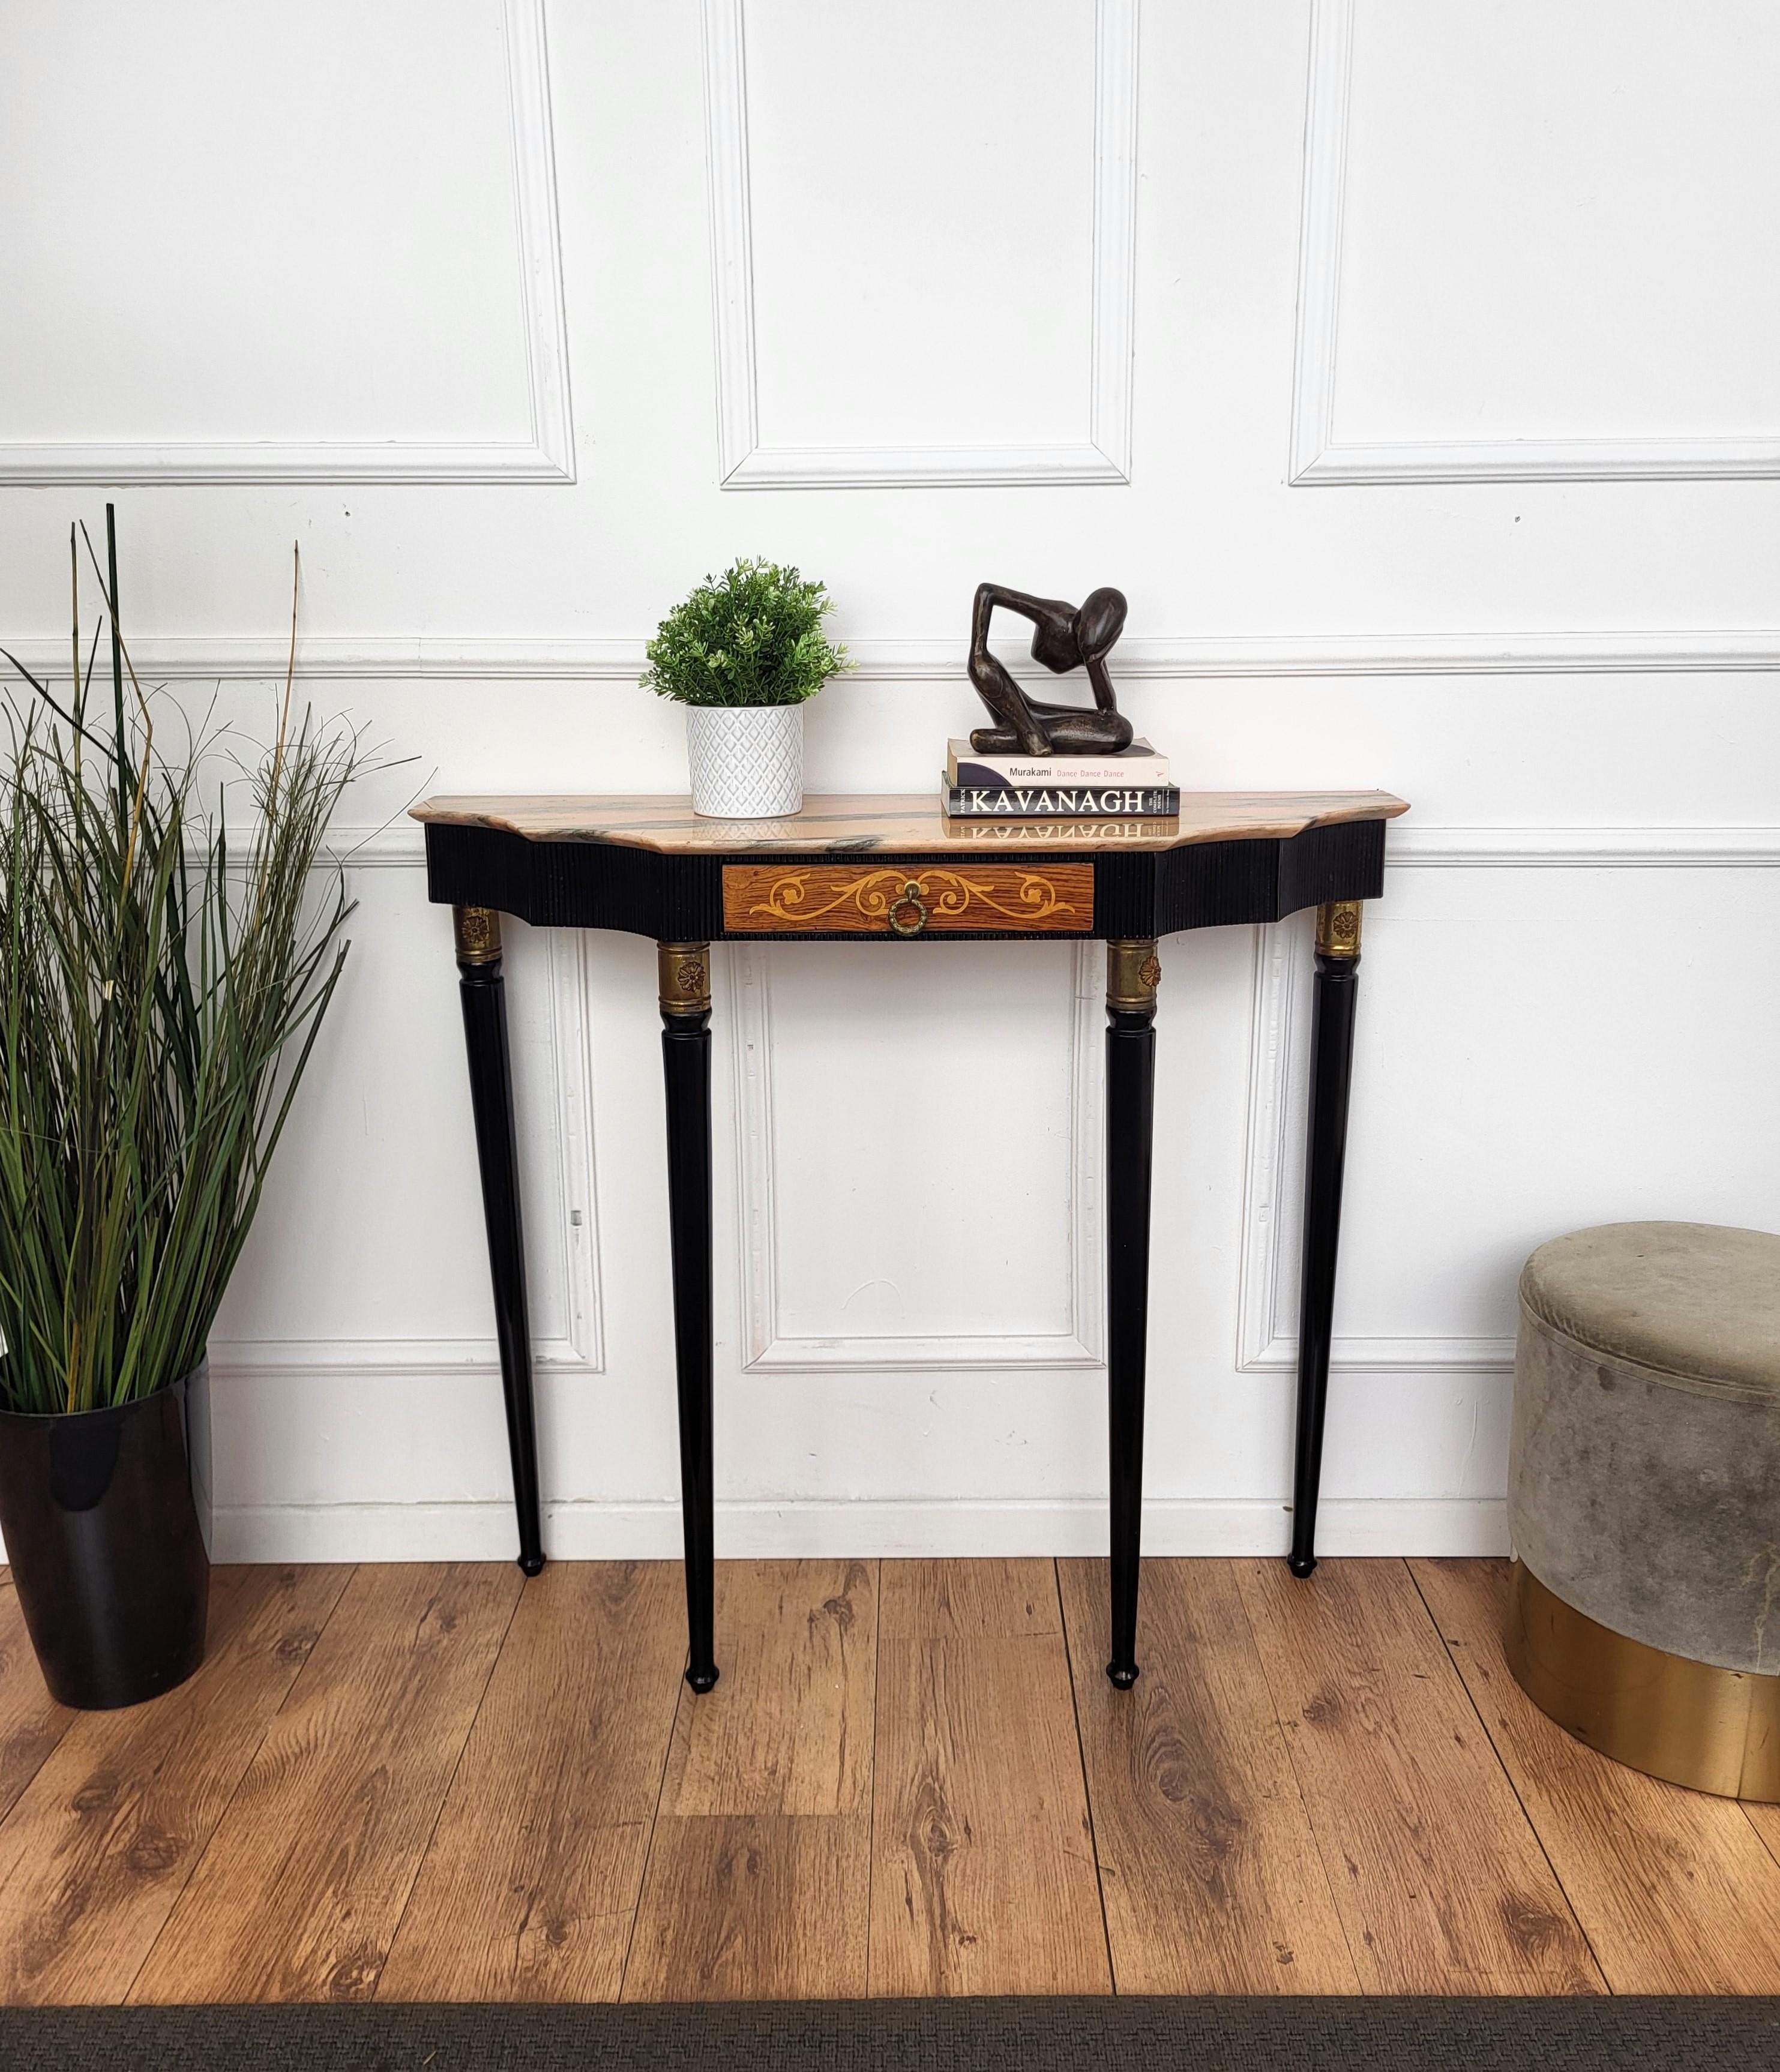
(685, 977)
(478, 935)
(1133, 972)
(1338, 927)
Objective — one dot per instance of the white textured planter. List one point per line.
(747, 760)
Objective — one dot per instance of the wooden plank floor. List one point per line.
(913, 1778)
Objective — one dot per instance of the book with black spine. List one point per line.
(1060, 802)
(1140, 765)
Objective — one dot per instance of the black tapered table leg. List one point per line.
(1133, 970)
(686, 984)
(484, 995)
(1331, 1074)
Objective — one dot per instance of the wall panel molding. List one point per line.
(572, 1341)
(1266, 1342)
(1279, 1001)
(366, 658)
(768, 1349)
(745, 463)
(399, 845)
(1317, 457)
(547, 455)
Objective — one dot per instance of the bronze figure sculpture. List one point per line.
(1065, 637)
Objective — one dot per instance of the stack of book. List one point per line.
(1134, 784)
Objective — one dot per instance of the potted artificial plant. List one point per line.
(161, 990)
(743, 653)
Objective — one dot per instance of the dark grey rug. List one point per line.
(913, 2036)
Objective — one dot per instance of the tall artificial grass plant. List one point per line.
(163, 984)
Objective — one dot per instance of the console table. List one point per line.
(894, 870)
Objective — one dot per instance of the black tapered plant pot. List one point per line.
(105, 1514)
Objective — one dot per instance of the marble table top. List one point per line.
(850, 822)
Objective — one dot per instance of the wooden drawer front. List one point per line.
(907, 899)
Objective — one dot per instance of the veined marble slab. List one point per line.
(840, 822)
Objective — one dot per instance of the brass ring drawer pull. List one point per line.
(908, 912)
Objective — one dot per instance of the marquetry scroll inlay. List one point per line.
(907, 899)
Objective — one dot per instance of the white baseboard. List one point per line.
(483, 1532)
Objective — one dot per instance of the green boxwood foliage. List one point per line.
(752, 636)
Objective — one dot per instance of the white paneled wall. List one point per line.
(1527, 247)
(1008, 211)
(1413, 371)
(333, 230)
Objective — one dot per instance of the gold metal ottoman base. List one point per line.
(1691, 1722)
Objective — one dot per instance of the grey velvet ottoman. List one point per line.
(1644, 1499)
